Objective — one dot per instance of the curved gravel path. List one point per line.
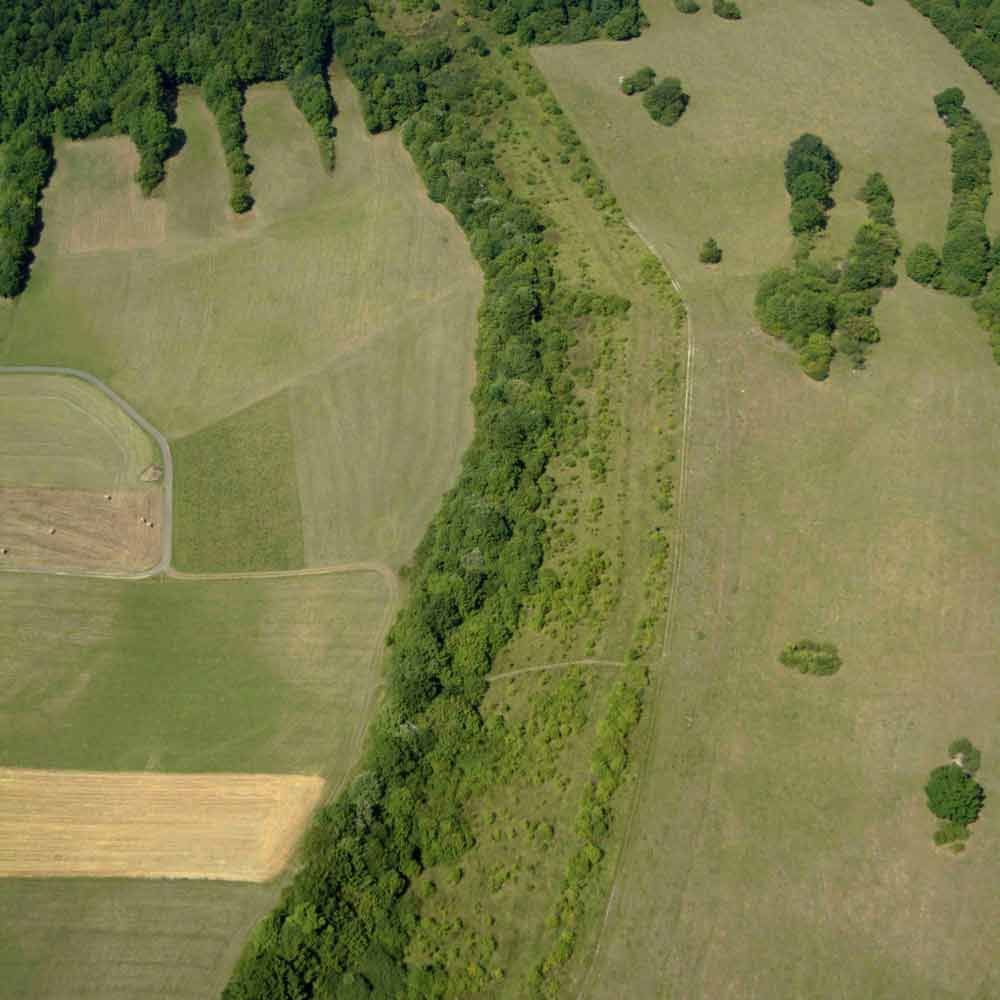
(166, 536)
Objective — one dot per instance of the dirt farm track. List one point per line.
(237, 827)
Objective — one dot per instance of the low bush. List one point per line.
(726, 9)
(641, 80)
(810, 657)
(950, 832)
(666, 101)
(687, 6)
(711, 252)
(965, 755)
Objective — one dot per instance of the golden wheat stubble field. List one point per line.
(237, 827)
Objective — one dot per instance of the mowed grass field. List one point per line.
(65, 939)
(342, 308)
(781, 846)
(265, 675)
(60, 431)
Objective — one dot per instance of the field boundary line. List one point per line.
(554, 666)
(645, 751)
(166, 535)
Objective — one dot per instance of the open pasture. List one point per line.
(237, 827)
(772, 807)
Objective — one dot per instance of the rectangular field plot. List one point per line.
(56, 430)
(238, 827)
(186, 675)
(123, 939)
(42, 528)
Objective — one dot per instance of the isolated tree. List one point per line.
(666, 101)
(954, 795)
(726, 9)
(711, 252)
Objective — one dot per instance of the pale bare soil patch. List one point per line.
(238, 827)
(63, 529)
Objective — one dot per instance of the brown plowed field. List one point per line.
(91, 532)
(237, 827)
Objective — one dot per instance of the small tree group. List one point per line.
(810, 657)
(954, 796)
(811, 170)
(666, 101)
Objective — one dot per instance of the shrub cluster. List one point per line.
(25, 166)
(811, 170)
(687, 6)
(539, 21)
(726, 9)
(642, 79)
(666, 101)
(810, 657)
(74, 69)
(807, 305)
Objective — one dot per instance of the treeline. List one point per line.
(537, 21)
(967, 261)
(112, 68)
(343, 926)
(820, 308)
(25, 167)
(973, 27)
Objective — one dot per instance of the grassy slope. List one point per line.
(262, 675)
(57, 431)
(860, 510)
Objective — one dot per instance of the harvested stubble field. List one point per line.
(862, 510)
(236, 827)
(64, 530)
